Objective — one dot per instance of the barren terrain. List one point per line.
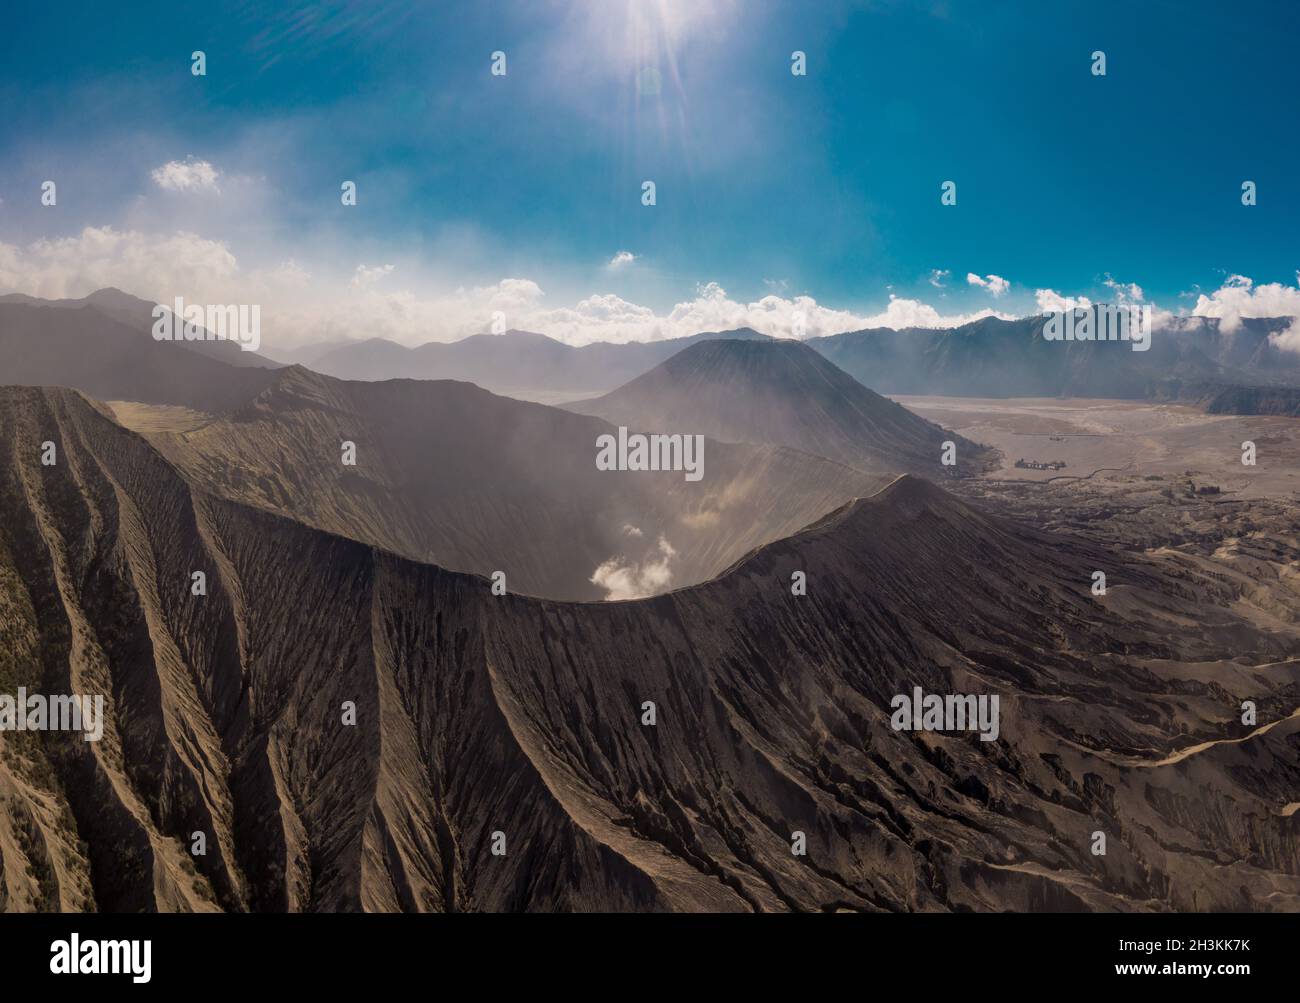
(1107, 439)
(480, 715)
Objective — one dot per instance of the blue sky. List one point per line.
(821, 189)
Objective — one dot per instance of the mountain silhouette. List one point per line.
(81, 345)
(516, 363)
(784, 393)
(449, 473)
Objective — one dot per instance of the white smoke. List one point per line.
(624, 579)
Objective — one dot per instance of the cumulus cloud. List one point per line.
(624, 579)
(1122, 293)
(1050, 301)
(324, 304)
(1240, 298)
(299, 306)
(903, 313)
(939, 276)
(994, 284)
(1125, 292)
(1288, 340)
(154, 266)
(188, 175)
(621, 260)
(610, 318)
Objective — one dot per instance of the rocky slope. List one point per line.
(84, 344)
(1255, 400)
(453, 475)
(478, 715)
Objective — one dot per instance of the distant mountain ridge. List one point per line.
(1193, 359)
(84, 346)
(999, 358)
(137, 314)
(786, 394)
(989, 357)
(512, 362)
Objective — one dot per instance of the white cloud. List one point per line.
(623, 579)
(995, 284)
(366, 276)
(155, 267)
(903, 313)
(1288, 340)
(517, 297)
(1125, 293)
(1239, 298)
(1050, 301)
(298, 305)
(186, 175)
(403, 315)
(610, 318)
(621, 260)
(939, 276)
